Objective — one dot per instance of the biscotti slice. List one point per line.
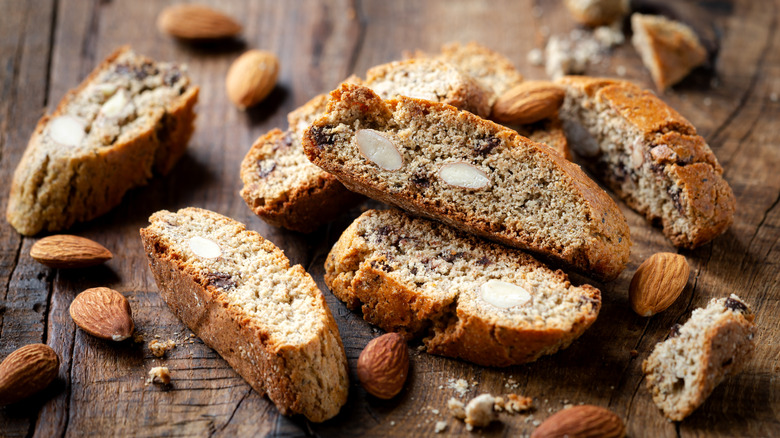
(449, 165)
(130, 118)
(548, 131)
(596, 13)
(283, 187)
(239, 294)
(717, 341)
(468, 298)
(650, 156)
(669, 49)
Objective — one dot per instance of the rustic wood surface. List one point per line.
(48, 46)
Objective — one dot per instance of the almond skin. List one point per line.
(251, 78)
(195, 22)
(528, 102)
(67, 251)
(27, 371)
(383, 366)
(584, 421)
(103, 313)
(658, 283)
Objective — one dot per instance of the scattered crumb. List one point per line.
(536, 422)
(480, 411)
(773, 97)
(157, 336)
(192, 335)
(620, 70)
(392, 423)
(421, 347)
(435, 411)
(457, 408)
(529, 418)
(461, 386)
(568, 405)
(517, 403)
(159, 375)
(138, 338)
(160, 348)
(611, 386)
(440, 427)
(609, 36)
(511, 383)
(571, 54)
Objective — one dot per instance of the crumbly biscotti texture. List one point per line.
(283, 187)
(716, 342)
(239, 294)
(596, 13)
(669, 49)
(430, 79)
(650, 156)
(130, 118)
(531, 198)
(548, 131)
(425, 279)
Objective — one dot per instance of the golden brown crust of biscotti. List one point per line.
(294, 376)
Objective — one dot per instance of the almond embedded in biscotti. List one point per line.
(103, 313)
(383, 366)
(196, 22)
(27, 371)
(67, 130)
(528, 102)
(378, 149)
(67, 251)
(658, 283)
(582, 421)
(503, 295)
(251, 78)
(205, 248)
(463, 175)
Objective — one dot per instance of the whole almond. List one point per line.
(583, 421)
(251, 78)
(104, 313)
(66, 251)
(27, 371)
(528, 102)
(658, 283)
(195, 22)
(383, 366)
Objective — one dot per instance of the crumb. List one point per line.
(571, 54)
(529, 418)
(633, 353)
(609, 36)
(480, 411)
(392, 423)
(192, 335)
(138, 338)
(773, 97)
(159, 375)
(157, 336)
(461, 386)
(620, 70)
(421, 347)
(440, 427)
(160, 348)
(611, 386)
(435, 411)
(517, 403)
(536, 422)
(457, 408)
(568, 405)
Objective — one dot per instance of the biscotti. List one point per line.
(130, 118)
(548, 131)
(452, 166)
(650, 156)
(466, 297)
(239, 294)
(717, 341)
(596, 13)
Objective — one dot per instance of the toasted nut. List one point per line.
(114, 105)
(67, 130)
(251, 78)
(206, 248)
(104, 313)
(383, 366)
(195, 22)
(67, 251)
(658, 283)
(582, 421)
(376, 148)
(528, 102)
(463, 175)
(503, 295)
(27, 371)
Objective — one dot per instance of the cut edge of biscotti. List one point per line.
(238, 292)
(465, 297)
(433, 160)
(130, 118)
(716, 342)
(650, 155)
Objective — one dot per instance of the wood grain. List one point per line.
(48, 46)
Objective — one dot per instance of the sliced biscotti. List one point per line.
(238, 292)
(548, 131)
(650, 156)
(467, 297)
(435, 161)
(130, 118)
(717, 341)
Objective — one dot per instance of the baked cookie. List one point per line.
(239, 294)
(650, 156)
(449, 165)
(130, 118)
(596, 13)
(467, 298)
(717, 341)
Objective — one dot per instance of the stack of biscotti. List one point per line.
(436, 161)
(130, 118)
(239, 294)
(466, 297)
(649, 155)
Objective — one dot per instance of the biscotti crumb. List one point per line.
(536, 57)
(159, 375)
(160, 348)
(138, 338)
(572, 53)
(515, 403)
(461, 386)
(440, 427)
(480, 411)
(457, 408)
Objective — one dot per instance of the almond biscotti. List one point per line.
(466, 297)
(239, 294)
(716, 342)
(130, 118)
(452, 166)
(650, 156)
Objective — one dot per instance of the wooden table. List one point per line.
(48, 46)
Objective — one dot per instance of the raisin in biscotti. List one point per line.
(130, 118)
(717, 341)
(435, 161)
(468, 298)
(238, 292)
(650, 156)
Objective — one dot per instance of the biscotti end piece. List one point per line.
(650, 156)
(596, 13)
(548, 131)
(239, 294)
(669, 49)
(467, 298)
(435, 161)
(716, 342)
(130, 118)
